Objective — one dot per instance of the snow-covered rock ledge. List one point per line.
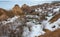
(53, 26)
(10, 20)
(35, 30)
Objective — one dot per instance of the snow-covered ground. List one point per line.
(35, 30)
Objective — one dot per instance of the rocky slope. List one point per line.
(3, 15)
(31, 21)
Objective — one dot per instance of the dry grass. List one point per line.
(48, 33)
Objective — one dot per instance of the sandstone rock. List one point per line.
(17, 10)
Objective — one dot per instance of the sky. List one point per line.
(9, 4)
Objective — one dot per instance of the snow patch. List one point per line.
(56, 10)
(52, 26)
(36, 30)
(10, 20)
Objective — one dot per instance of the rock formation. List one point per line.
(17, 10)
(26, 8)
(3, 15)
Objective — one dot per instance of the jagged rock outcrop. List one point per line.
(26, 8)
(17, 10)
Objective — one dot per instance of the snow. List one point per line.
(57, 23)
(25, 32)
(50, 14)
(47, 25)
(56, 10)
(10, 20)
(36, 30)
(50, 8)
(31, 16)
(30, 24)
(48, 18)
(33, 28)
(38, 10)
(50, 26)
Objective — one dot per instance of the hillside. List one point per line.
(31, 21)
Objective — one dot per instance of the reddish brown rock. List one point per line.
(17, 10)
(26, 8)
(3, 15)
